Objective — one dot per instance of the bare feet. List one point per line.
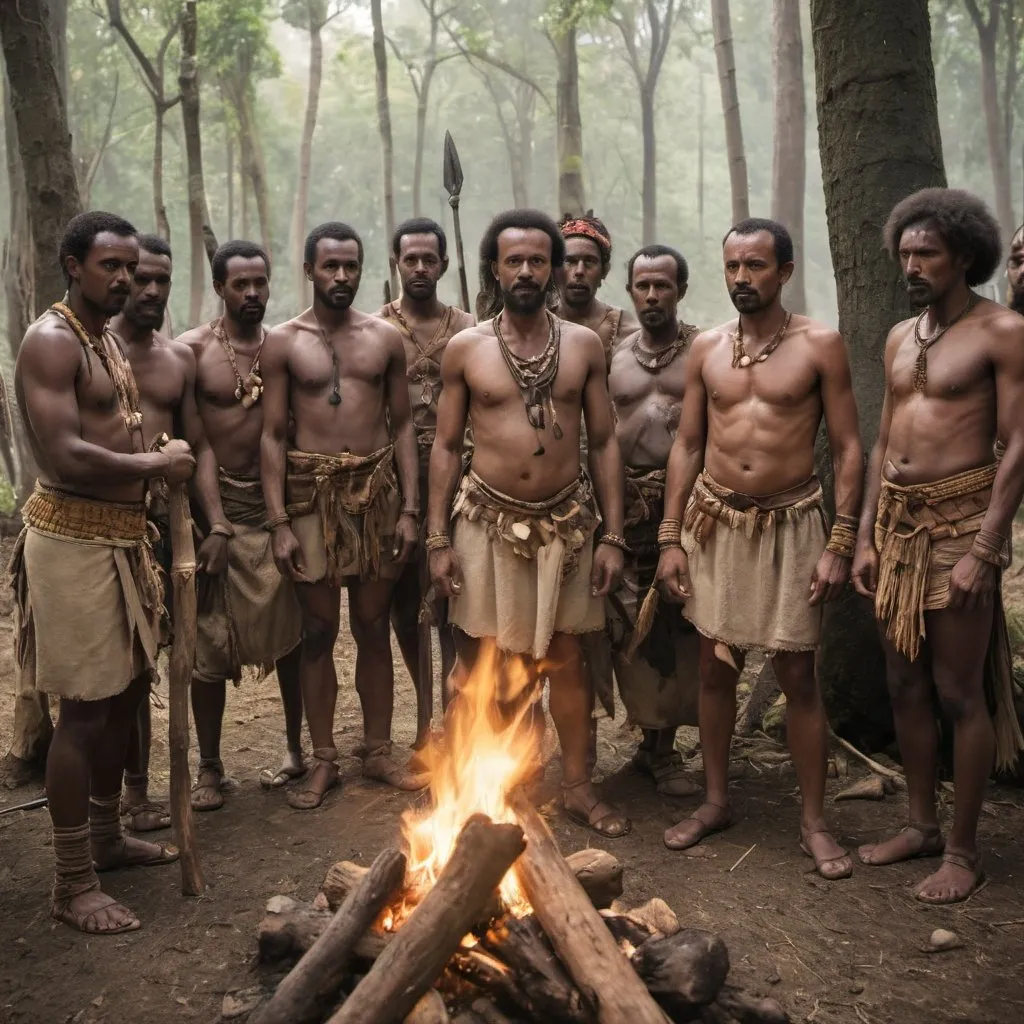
(583, 804)
(95, 913)
(127, 852)
(914, 841)
(959, 877)
(322, 778)
(206, 793)
(830, 859)
(667, 771)
(292, 767)
(706, 820)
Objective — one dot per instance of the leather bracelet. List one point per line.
(222, 529)
(843, 540)
(414, 512)
(615, 541)
(670, 534)
(280, 520)
(989, 546)
(439, 541)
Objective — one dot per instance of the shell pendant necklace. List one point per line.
(739, 353)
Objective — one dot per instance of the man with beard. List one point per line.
(935, 531)
(1015, 271)
(420, 252)
(655, 659)
(743, 539)
(519, 566)
(339, 513)
(87, 589)
(248, 614)
(588, 258)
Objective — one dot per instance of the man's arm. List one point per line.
(48, 363)
(406, 454)
(446, 453)
(274, 439)
(605, 460)
(205, 485)
(686, 458)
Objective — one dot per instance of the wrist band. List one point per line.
(279, 520)
(842, 540)
(437, 541)
(990, 547)
(615, 541)
(670, 534)
(222, 529)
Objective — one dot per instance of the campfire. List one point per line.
(481, 919)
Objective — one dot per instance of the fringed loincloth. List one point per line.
(921, 532)
(525, 565)
(248, 615)
(88, 596)
(344, 510)
(751, 561)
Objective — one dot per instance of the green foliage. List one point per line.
(234, 39)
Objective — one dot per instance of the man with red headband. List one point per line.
(588, 258)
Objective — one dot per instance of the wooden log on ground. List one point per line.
(582, 941)
(429, 1009)
(292, 926)
(599, 873)
(684, 971)
(421, 948)
(655, 915)
(311, 987)
(748, 1010)
(625, 930)
(489, 1013)
(342, 877)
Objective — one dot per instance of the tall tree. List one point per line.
(153, 74)
(646, 36)
(380, 62)
(721, 25)
(878, 132)
(789, 160)
(202, 240)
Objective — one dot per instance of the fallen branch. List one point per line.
(879, 769)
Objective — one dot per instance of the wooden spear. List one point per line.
(453, 186)
(183, 657)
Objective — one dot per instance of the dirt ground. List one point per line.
(831, 953)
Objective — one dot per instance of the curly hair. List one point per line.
(963, 221)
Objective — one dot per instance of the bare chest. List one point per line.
(492, 385)
(951, 369)
(160, 379)
(314, 362)
(787, 379)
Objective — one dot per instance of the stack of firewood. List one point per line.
(579, 957)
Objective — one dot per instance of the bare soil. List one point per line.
(831, 953)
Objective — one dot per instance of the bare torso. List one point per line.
(647, 407)
(762, 420)
(951, 425)
(161, 373)
(610, 323)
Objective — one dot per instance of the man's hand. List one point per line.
(406, 538)
(212, 556)
(829, 577)
(673, 575)
(972, 583)
(288, 554)
(864, 574)
(606, 572)
(181, 463)
(445, 572)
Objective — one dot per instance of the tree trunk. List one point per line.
(571, 192)
(726, 61)
(998, 152)
(700, 154)
(878, 132)
(163, 225)
(316, 62)
(257, 168)
(229, 165)
(380, 60)
(422, 98)
(789, 163)
(243, 195)
(650, 175)
(34, 77)
(18, 247)
(202, 240)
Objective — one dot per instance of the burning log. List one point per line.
(291, 927)
(313, 983)
(421, 948)
(579, 936)
(684, 971)
(599, 873)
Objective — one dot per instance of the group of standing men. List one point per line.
(311, 447)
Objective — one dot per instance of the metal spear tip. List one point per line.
(452, 167)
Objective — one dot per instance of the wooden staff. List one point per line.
(453, 181)
(425, 659)
(183, 657)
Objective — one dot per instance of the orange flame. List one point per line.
(487, 751)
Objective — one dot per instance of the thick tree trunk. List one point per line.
(649, 186)
(571, 192)
(789, 163)
(422, 109)
(316, 14)
(998, 150)
(229, 167)
(380, 60)
(878, 132)
(163, 225)
(253, 164)
(726, 60)
(202, 240)
(700, 153)
(17, 265)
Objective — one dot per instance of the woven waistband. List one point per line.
(960, 485)
(70, 515)
(530, 508)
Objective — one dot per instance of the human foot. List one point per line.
(667, 771)
(131, 853)
(94, 913)
(322, 778)
(379, 764)
(705, 821)
(959, 877)
(292, 767)
(206, 793)
(916, 840)
(584, 805)
(830, 859)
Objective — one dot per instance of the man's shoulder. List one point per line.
(1002, 320)
(461, 320)
(195, 338)
(712, 337)
(50, 334)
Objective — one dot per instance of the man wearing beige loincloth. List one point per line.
(588, 258)
(515, 551)
(656, 667)
(935, 531)
(248, 613)
(420, 253)
(87, 590)
(342, 496)
(744, 541)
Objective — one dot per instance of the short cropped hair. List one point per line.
(653, 252)
(81, 232)
(336, 231)
(156, 245)
(236, 247)
(965, 223)
(418, 226)
(783, 241)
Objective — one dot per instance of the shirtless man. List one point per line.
(88, 594)
(1015, 271)
(588, 258)
(935, 530)
(420, 253)
(248, 613)
(743, 539)
(525, 514)
(658, 683)
(339, 513)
